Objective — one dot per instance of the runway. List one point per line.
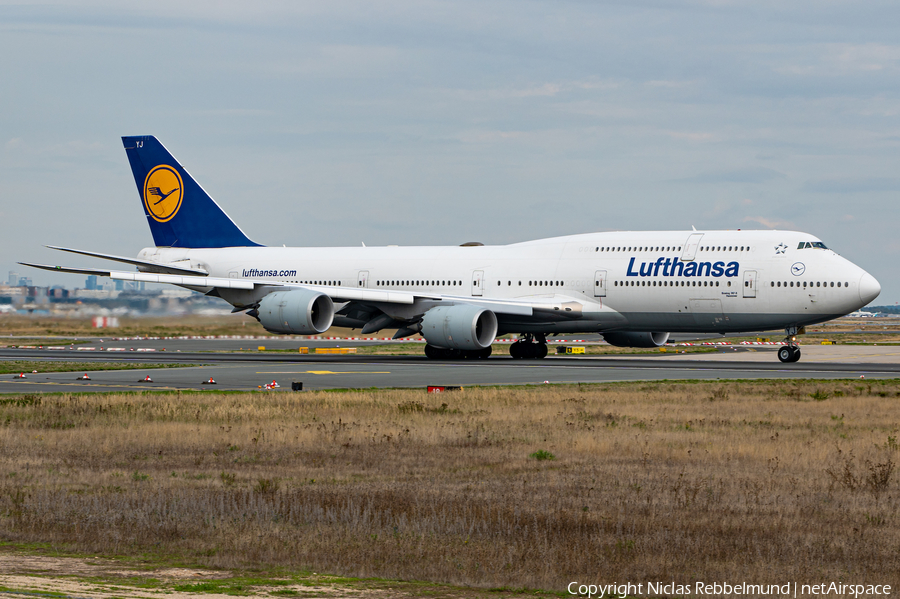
(250, 371)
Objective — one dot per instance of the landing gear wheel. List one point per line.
(788, 354)
(529, 349)
(790, 351)
(785, 353)
(433, 353)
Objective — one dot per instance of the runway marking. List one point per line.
(324, 372)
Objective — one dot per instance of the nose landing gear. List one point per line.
(790, 351)
(533, 347)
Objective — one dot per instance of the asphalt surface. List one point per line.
(251, 371)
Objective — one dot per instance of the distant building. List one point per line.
(13, 280)
(91, 283)
(25, 282)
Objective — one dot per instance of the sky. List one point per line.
(420, 123)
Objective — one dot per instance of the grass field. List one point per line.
(493, 487)
(27, 366)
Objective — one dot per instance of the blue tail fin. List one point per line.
(180, 213)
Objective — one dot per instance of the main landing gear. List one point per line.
(533, 347)
(445, 353)
(790, 351)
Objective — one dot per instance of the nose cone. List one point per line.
(869, 288)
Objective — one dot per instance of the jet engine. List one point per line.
(298, 311)
(459, 327)
(636, 339)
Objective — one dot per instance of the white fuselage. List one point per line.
(711, 281)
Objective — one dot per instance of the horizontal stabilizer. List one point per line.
(147, 277)
(152, 266)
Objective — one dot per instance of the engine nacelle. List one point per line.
(459, 327)
(298, 311)
(636, 339)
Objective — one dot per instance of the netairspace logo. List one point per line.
(724, 589)
(673, 267)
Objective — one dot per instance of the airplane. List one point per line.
(632, 287)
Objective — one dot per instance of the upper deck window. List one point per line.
(811, 244)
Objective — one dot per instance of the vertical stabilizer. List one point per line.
(179, 211)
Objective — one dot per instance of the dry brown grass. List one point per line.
(755, 481)
(163, 326)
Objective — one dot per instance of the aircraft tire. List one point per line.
(432, 352)
(796, 355)
(515, 350)
(786, 354)
(540, 351)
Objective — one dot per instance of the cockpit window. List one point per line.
(811, 244)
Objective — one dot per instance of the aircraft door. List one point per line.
(600, 283)
(750, 283)
(690, 247)
(478, 282)
(362, 279)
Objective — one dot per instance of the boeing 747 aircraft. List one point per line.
(632, 287)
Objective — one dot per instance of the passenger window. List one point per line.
(839, 283)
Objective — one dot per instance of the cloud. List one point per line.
(669, 84)
(742, 175)
(691, 135)
(771, 223)
(852, 184)
(831, 60)
(547, 89)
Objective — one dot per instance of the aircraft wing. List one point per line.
(519, 307)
